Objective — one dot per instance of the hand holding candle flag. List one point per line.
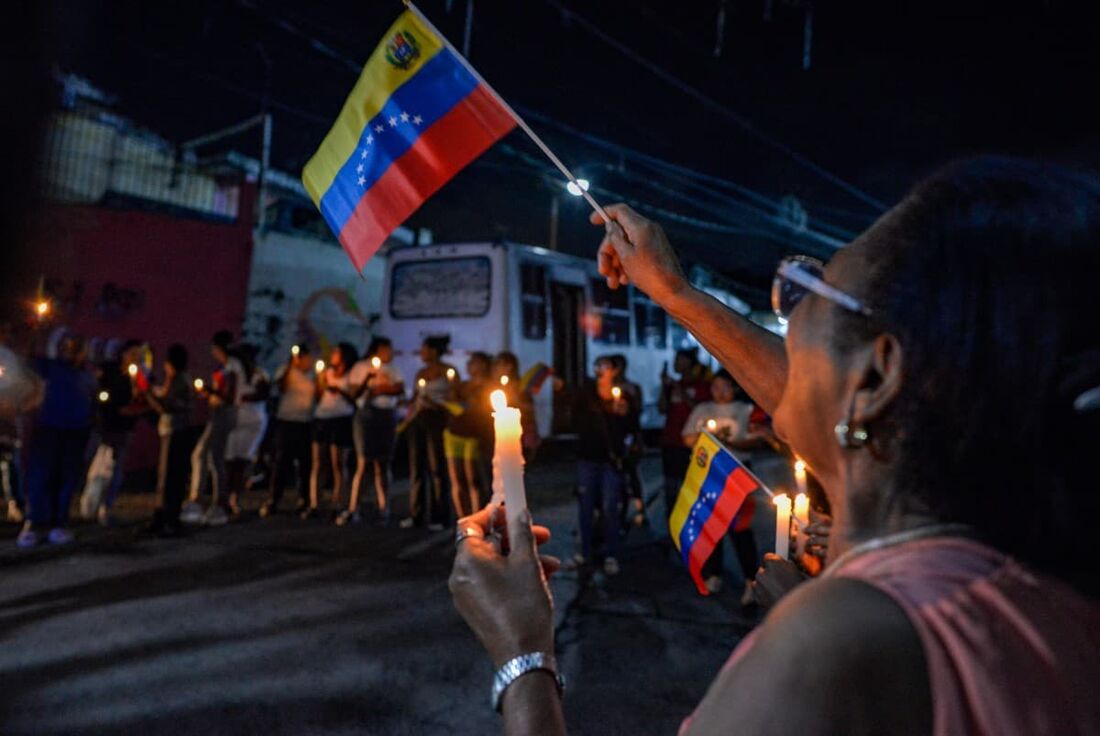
(418, 115)
(714, 488)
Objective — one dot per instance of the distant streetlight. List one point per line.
(577, 189)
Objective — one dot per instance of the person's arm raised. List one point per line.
(636, 250)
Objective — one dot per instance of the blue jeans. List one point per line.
(599, 481)
(53, 473)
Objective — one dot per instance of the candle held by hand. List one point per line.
(319, 366)
(800, 475)
(132, 369)
(507, 457)
(295, 350)
(504, 380)
(782, 524)
(616, 393)
(376, 362)
(198, 384)
(712, 425)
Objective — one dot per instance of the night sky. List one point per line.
(891, 94)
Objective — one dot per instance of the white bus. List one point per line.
(542, 305)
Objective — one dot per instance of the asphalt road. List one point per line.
(289, 627)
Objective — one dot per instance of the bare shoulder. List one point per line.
(835, 656)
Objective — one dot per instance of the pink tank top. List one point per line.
(1009, 652)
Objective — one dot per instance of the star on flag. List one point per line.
(404, 117)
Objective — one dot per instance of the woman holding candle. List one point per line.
(939, 379)
(506, 373)
(379, 386)
(425, 436)
(332, 427)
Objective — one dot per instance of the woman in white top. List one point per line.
(425, 436)
(243, 445)
(297, 388)
(379, 386)
(332, 438)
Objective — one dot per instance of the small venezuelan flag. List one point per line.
(714, 488)
(416, 117)
(535, 376)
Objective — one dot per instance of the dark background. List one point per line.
(894, 90)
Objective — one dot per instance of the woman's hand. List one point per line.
(636, 249)
(499, 585)
(775, 578)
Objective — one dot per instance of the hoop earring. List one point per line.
(851, 438)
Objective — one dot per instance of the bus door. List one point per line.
(567, 314)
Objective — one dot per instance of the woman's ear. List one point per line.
(879, 374)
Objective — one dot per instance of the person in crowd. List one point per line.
(506, 374)
(678, 397)
(604, 420)
(61, 433)
(945, 339)
(634, 500)
(242, 447)
(469, 433)
(332, 428)
(379, 386)
(21, 392)
(727, 417)
(425, 437)
(172, 401)
(297, 387)
(208, 457)
(122, 381)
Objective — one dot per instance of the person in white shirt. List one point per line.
(332, 422)
(243, 446)
(209, 454)
(728, 420)
(297, 386)
(378, 386)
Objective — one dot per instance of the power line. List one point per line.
(738, 119)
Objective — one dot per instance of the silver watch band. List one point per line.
(515, 668)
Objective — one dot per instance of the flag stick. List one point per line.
(515, 116)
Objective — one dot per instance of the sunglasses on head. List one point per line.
(796, 277)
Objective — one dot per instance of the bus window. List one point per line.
(650, 323)
(681, 338)
(610, 314)
(533, 300)
(451, 287)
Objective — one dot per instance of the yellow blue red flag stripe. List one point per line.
(415, 118)
(714, 488)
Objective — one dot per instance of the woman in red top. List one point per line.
(941, 378)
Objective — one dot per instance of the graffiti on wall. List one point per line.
(324, 318)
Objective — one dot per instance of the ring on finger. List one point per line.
(468, 531)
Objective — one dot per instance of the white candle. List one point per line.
(711, 425)
(507, 457)
(376, 362)
(802, 516)
(132, 369)
(616, 393)
(450, 374)
(320, 366)
(421, 383)
(198, 384)
(782, 524)
(504, 380)
(800, 475)
(294, 350)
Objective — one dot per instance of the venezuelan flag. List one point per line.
(416, 117)
(535, 376)
(714, 488)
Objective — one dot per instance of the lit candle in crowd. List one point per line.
(712, 425)
(450, 374)
(104, 396)
(132, 369)
(782, 524)
(802, 510)
(504, 380)
(376, 362)
(320, 366)
(421, 383)
(294, 350)
(800, 475)
(507, 457)
(198, 384)
(616, 393)
(42, 308)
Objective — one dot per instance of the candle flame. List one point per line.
(42, 307)
(320, 366)
(712, 425)
(498, 400)
(504, 380)
(198, 384)
(104, 396)
(294, 350)
(799, 467)
(616, 392)
(376, 362)
(450, 374)
(782, 499)
(132, 369)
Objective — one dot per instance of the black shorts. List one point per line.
(334, 431)
(374, 433)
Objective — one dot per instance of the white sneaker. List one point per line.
(407, 523)
(215, 516)
(15, 514)
(191, 513)
(610, 566)
(713, 584)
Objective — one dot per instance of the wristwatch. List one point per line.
(515, 668)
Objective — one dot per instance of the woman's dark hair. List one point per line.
(691, 354)
(510, 358)
(725, 376)
(377, 343)
(177, 356)
(223, 339)
(482, 357)
(986, 274)
(348, 354)
(439, 343)
(246, 353)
